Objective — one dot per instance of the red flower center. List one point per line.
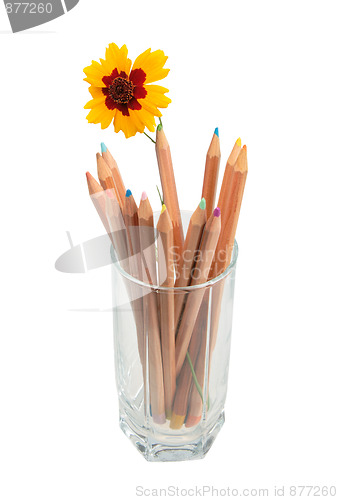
(121, 90)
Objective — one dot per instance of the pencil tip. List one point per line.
(128, 193)
(163, 208)
(217, 212)
(98, 156)
(239, 142)
(176, 421)
(103, 147)
(144, 196)
(88, 175)
(244, 147)
(216, 132)
(202, 204)
(159, 127)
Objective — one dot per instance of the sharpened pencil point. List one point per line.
(202, 204)
(128, 193)
(103, 147)
(217, 212)
(159, 127)
(239, 142)
(244, 147)
(216, 132)
(164, 208)
(144, 196)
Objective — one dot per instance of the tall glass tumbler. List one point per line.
(171, 411)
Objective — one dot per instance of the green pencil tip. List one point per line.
(159, 127)
(202, 204)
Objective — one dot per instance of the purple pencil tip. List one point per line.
(217, 212)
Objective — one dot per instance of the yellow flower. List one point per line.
(123, 94)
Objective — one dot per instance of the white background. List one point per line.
(265, 71)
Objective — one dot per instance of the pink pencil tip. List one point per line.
(144, 196)
(217, 212)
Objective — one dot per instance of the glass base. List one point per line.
(171, 447)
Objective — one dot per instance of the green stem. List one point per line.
(160, 121)
(152, 140)
(198, 387)
(159, 195)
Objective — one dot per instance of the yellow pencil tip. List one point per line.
(239, 142)
(176, 421)
(163, 208)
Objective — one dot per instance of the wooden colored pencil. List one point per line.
(117, 228)
(150, 311)
(211, 173)
(223, 203)
(166, 275)
(130, 215)
(105, 176)
(189, 254)
(201, 271)
(185, 378)
(232, 208)
(108, 158)
(169, 190)
(98, 198)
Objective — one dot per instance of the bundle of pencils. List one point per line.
(172, 342)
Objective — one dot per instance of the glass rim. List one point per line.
(188, 288)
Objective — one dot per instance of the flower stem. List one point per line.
(152, 140)
(160, 121)
(198, 387)
(159, 193)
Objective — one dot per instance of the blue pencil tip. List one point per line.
(128, 193)
(103, 147)
(216, 132)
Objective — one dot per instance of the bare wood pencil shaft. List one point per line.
(169, 190)
(225, 207)
(98, 198)
(166, 279)
(150, 311)
(105, 176)
(189, 254)
(108, 158)
(200, 275)
(233, 206)
(211, 175)
(130, 215)
(185, 379)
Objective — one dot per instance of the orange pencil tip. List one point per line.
(192, 421)
(244, 147)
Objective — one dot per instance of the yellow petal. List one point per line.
(117, 58)
(106, 121)
(147, 118)
(151, 108)
(152, 64)
(97, 114)
(125, 124)
(95, 102)
(95, 91)
(157, 99)
(95, 72)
